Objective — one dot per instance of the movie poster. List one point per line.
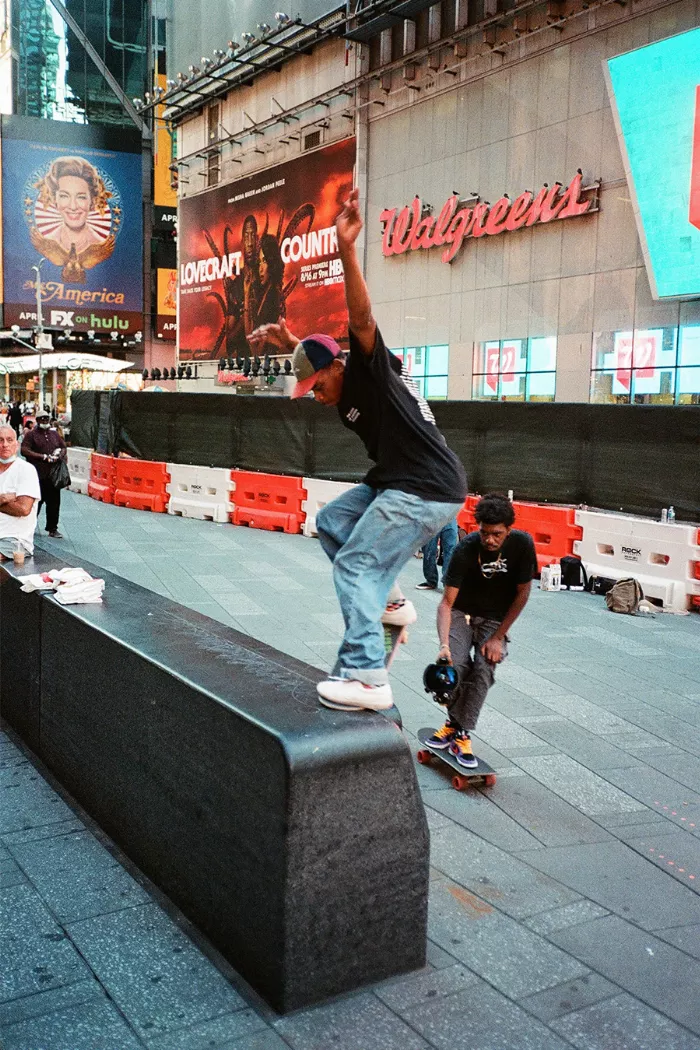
(166, 294)
(75, 202)
(164, 180)
(262, 248)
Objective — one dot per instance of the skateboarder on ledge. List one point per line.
(487, 586)
(415, 487)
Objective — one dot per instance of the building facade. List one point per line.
(494, 110)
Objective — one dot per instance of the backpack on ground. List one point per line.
(600, 584)
(573, 574)
(625, 596)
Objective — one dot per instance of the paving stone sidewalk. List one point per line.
(564, 908)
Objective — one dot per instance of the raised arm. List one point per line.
(348, 225)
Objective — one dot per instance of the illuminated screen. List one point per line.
(655, 95)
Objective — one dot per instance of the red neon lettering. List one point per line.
(480, 213)
(694, 212)
(572, 203)
(459, 229)
(552, 204)
(405, 230)
(444, 219)
(517, 216)
(496, 221)
(387, 217)
(422, 234)
(535, 211)
(402, 220)
(406, 221)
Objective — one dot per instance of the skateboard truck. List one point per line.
(440, 680)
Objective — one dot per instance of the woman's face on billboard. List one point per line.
(264, 269)
(73, 201)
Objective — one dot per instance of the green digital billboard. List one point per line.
(655, 95)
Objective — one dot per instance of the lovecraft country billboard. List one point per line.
(262, 248)
(72, 196)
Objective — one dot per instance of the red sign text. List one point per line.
(409, 229)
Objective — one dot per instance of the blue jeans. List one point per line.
(448, 538)
(369, 535)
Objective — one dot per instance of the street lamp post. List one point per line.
(39, 330)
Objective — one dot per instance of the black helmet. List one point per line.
(440, 679)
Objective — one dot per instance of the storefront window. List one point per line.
(429, 367)
(515, 370)
(656, 366)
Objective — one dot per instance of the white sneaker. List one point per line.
(346, 694)
(400, 613)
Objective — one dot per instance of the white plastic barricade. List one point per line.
(79, 467)
(318, 494)
(664, 557)
(200, 492)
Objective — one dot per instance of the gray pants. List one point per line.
(476, 674)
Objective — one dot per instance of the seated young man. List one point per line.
(486, 588)
(19, 495)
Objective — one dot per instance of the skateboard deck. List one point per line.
(461, 776)
(393, 637)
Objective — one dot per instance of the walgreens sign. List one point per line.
(410, 229)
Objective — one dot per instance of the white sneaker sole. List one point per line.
(352, 707)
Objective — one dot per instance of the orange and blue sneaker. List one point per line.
(461, 749)
(443, 738)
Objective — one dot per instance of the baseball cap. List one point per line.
(309, 357)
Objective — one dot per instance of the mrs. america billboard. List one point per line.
(262, 248)
(72, 196)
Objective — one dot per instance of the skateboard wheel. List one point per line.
(490, 779)
(424, 757)
(460, 783)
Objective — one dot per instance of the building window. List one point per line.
(515, 370)
(428, 366)
(653, 366)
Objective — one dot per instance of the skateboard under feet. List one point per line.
(462, 777)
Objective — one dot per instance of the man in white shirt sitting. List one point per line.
(19, 493)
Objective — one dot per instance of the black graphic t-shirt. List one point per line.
(488, 580)
(384, 407)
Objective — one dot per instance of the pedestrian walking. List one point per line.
(43, 447)
(415, 487)
(446, 540)
(15, 417)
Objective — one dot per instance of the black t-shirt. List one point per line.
(488, 580)
(382, 405)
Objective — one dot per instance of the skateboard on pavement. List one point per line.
(462, 776)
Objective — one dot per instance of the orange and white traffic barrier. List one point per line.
(663, 556)
(79, 468)
(205, 493)
(318, 494)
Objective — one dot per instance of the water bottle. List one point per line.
(664, 514)
(671, 516)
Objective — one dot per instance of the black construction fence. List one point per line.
(634, 458)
